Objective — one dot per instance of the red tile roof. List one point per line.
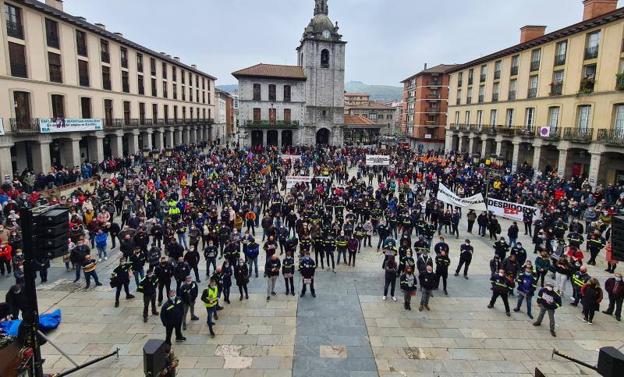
(272, 70)
(357, 120)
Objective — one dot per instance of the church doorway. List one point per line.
(272, 138)
(286, 138)
(256, 138)
(322, 136)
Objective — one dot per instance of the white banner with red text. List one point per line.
(512, 211)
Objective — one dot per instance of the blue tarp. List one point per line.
(47, 322)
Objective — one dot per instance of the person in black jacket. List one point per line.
(192, 257)
(427, 284)
(16, 300)
(164, 272)
(148, 287)
(171, 315)
(442, 265)
(271, 271)
(465, 258)
(188, 292)
(409, 285)
(548, 300)
(500, 288)
(307, 267)
(138, 259)
(226, 279)
(241, 275)
(114, 230)
(288, 270)
(121, 278)
(181, 271)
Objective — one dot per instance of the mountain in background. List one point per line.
(377, 92)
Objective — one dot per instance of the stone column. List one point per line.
(160, 139)
(561, 166)
(70, 151)
(499, 148)
(279, 138)
(5, 160)
(515, 156)
(537, 155)
(264, 138)
(116, 143)
(147, 139)
(185, 136)
(41, 156)
(484, 143)
(460, 144)
(169, 137)
(96, 147)
(594, 168)
(448, 144)
(133, 142)
(177, 137)
(471, 140)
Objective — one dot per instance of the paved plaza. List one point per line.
(346, 331)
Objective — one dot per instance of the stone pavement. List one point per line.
(347, 330)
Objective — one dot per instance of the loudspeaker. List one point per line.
(54, 230)
(610, 362)
(617, 238)
(154, 357)
(54, 216)
(52, 242)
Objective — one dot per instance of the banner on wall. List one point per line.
(377, 160)
(58, 125)
(475, 202)
(512, 211)
(293, 180)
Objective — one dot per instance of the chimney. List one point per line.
(101, 26)
(56, 4)
(530, 32)
(176, 58)
(425, 66)
(194, 66)
(120, 35)
(595, 8)
(81, 18)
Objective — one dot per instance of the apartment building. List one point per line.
(74, 91)
(425, 103)
(355, 99)
(554, 101)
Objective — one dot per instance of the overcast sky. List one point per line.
(389, 40)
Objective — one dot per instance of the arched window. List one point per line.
(325, 58)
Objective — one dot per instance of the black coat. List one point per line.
(172, 312)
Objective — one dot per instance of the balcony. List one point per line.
(591, 53)
(134, 122)
(587, 85)
(15, 30)
(433, 96)
(532, 93)
(535, 66)
(113, 123)
(271, 124)
(24, 126)
(553, 134)
(433, 109)
(497, 75)
(578, 135)
(514, 70)
(464, 127)
(560, 59)
(556, 88)
(434, 83)
(611, 137)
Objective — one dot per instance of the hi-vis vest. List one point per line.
(211, 297)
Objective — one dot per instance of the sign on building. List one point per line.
(58, 125)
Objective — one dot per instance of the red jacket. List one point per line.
(6, 252)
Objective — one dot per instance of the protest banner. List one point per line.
(511, 211)
(377, 160)
(475, 202)
(293, 180)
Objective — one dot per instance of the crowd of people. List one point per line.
(231, 208)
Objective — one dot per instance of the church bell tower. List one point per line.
(321, 54)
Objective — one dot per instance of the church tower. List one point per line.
(321, 54)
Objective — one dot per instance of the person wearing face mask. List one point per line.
(16, 300)
(121, 278)
(595, 243)
(164, 272)
(440, 246)
(615, 289)
(500, 288)
(542, 266)
(210, 300)
(548, 300)
(465, 258)
(188, 294)
(424, 260)
(171, 315)
(226, 279)
(579, 278)
(288, 270)
(271, 272)
(241, 275)
(520, 252)
(501, 248)
(442, 265)
(527, 283)
(409, 285)
(147, 286)
(307, 267)
(427, 284)
(341, 246)
(6, 258)
(353, 246)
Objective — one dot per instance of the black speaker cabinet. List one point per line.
(53, 217)
(617, 238)
(610, 362)
(154, 357)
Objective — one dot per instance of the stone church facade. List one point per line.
(318, 117)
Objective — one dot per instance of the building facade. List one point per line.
(554, 101)
(74, 91)
(355, 99)
(425, 106)
(319, 73)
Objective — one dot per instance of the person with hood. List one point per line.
(101, 238)
(188, 294)
(241, 275)
(548, 300)
(592, 296)
(16, 300)
(409, 285)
